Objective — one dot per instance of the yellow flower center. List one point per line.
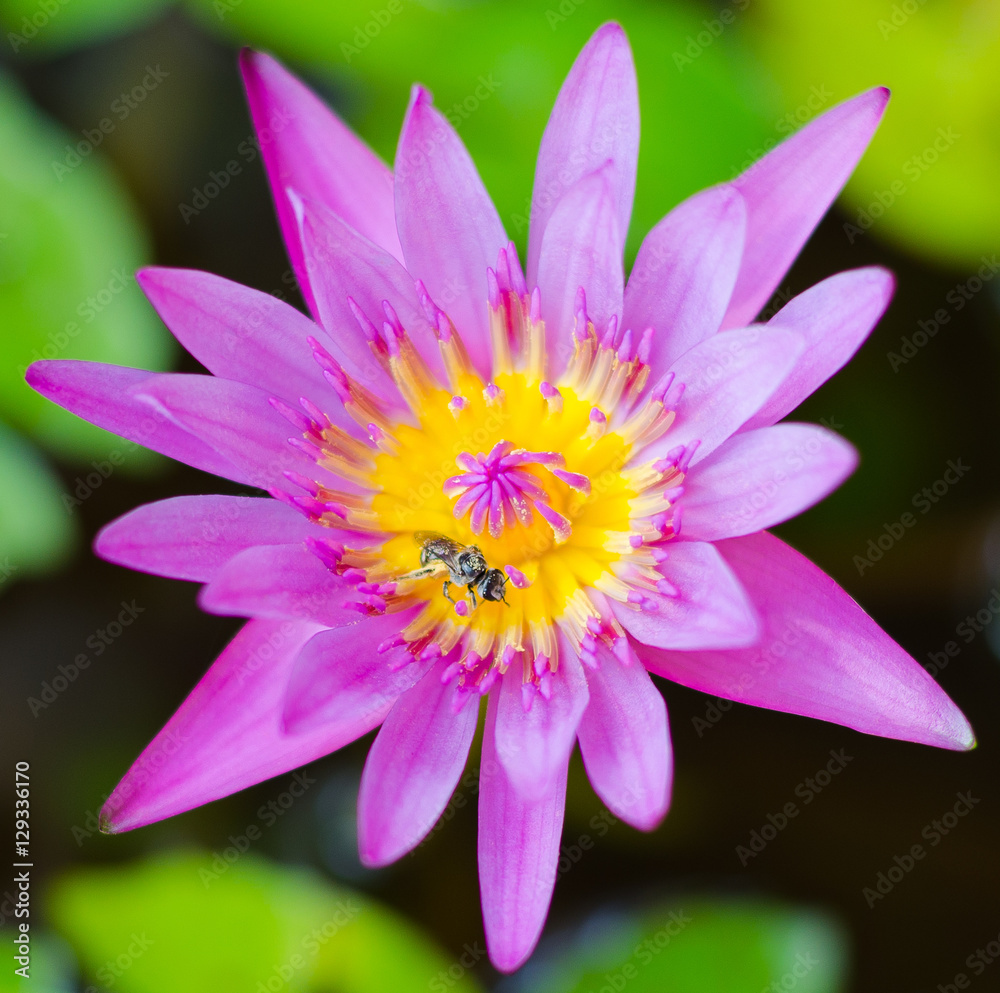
(539, 477)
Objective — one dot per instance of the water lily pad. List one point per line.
(197, 922)
(929, 181)
(70, 243)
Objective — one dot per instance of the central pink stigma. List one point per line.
(498, 492)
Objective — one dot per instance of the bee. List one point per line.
(465, 564)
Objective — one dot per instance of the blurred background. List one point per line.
(116, 119)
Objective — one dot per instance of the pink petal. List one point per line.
(595, 118)
(306, 146)
(103, 395)
(242, 334)
(709, 609)
(341, 677)
(235, 419)
(534, 747)
(625, 742)
(226, 735)
(343, 264)
(279, 581)
(518, 855)
(583, 247)
(790, 189)
(684, 274)
(192, 537)
(726, 378)
(760, 478)
(412, 769)
(448, 227)
(834, 317)
(819, 655)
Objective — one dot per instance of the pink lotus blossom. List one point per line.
(558, 417)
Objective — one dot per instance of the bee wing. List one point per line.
(423, 537)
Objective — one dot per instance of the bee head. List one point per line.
(491, 586)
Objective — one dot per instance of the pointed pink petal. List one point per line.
(834, 317)
(595, 118)
(102, 394)
(235, 419)
(226, 735)
(727, 378)
(412, 769)
(709, 609)
(518, 855)
(760, 478)
(341, 677)
(449, 229)
(790, 189)
(343, 264)
(242, 334)
(819, 655)
(684, 274)
(192, 537)
(625, 742)
(534, 747)
(279, 581)
(582, 248)
(306, 146)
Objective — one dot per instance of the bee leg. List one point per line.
(472, 594)
(444, 590)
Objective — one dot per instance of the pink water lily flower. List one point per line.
(610, 447)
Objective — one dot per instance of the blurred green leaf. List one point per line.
(35, 529)
(69, 247)
(495, 68)
(703, 946)
(41, 27)
(940, 139)
(186, 922)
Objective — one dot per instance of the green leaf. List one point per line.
(928, 183)
(700, 945)
(69, 247)
(36, 531)
(196, 922)
(495, 68)
(42, 27)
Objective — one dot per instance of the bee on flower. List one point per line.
(591, 462)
